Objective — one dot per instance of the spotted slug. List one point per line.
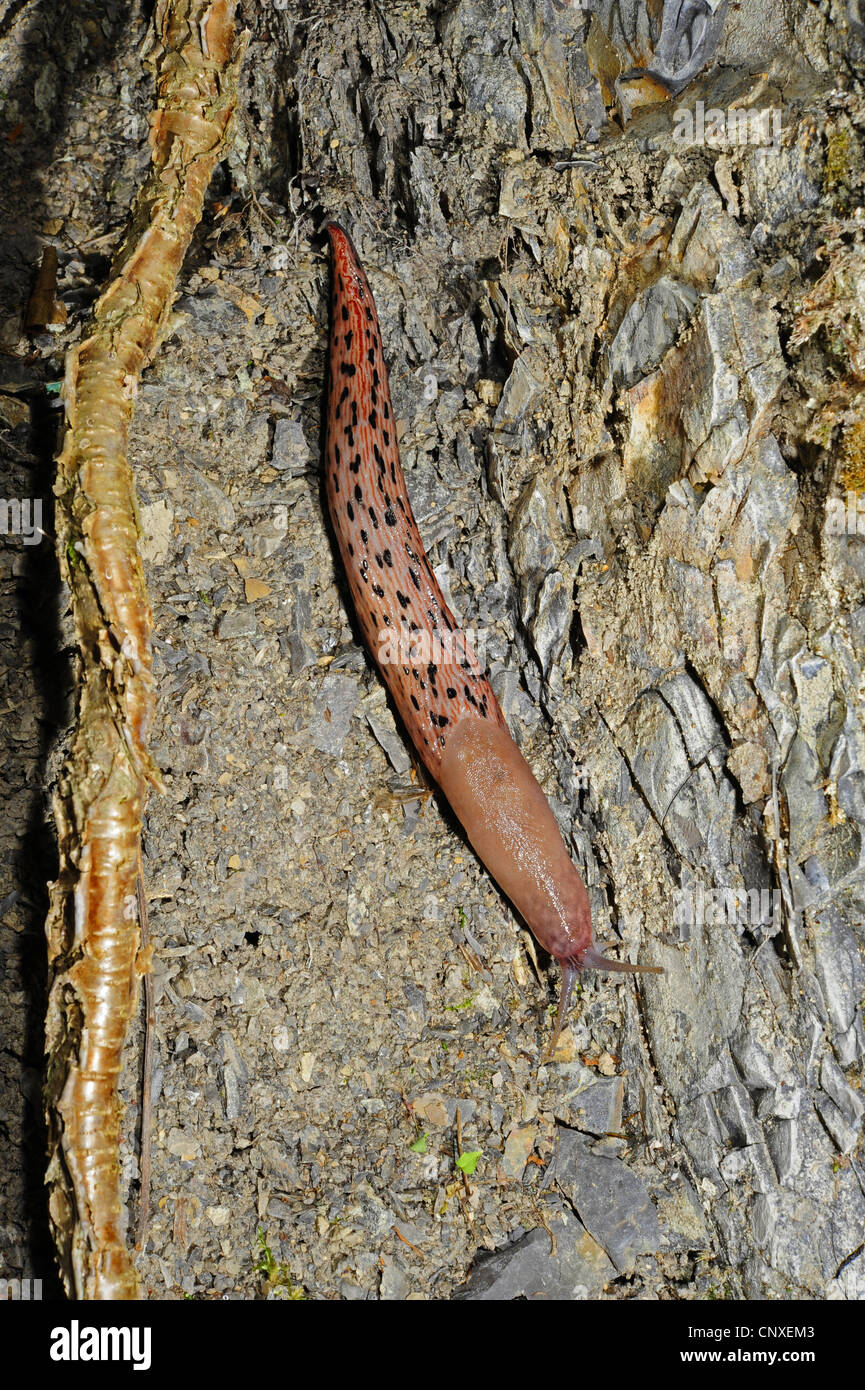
(437, 683)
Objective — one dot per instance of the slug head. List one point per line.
(508, 820)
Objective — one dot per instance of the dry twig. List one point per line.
(93, 936)
(146, 1065)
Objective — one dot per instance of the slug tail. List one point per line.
(593, 959)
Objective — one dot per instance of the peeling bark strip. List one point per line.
(92, 926)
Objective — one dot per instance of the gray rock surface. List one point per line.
(609, 1199)
(571, 1270)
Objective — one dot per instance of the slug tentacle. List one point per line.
(593, 959)
(570, 972)
(438, 685)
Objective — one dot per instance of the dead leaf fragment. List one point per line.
(518, 1147)
(431, 1107)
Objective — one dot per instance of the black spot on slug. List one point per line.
(389, 517)
(347, 368)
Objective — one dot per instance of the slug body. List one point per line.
(443, 695)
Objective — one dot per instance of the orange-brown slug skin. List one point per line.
(508, 820)
(435, 679)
